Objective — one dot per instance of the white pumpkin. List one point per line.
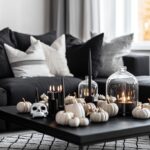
(74, 122)
(63, 117)
(100, 103)
(141, 113)
(146, 105)
(44, 97)
(24, 106)
(99, 116)
(81, 100)
(84, 121)
(70, 100)
(101, 97)
(111, 108)
(76, 108)
(89, 108)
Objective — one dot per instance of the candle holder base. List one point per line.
(125, 109)
(61, 107)
(89, 99)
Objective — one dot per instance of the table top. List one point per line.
(116, 128)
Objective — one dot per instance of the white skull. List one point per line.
(39, 110)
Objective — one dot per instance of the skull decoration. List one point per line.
(39, 110)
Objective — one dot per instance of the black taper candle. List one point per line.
(89, 98)
(53, 105)
(90, 71)
(37, 95)
(63, 92)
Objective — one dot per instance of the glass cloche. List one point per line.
(83, 88)
(124, 86)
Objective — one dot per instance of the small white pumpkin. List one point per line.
(63, 117)
(81, 100)
(101, 97)
(99, 116)
(70, 100)
(89, 108)
(74, 122)
(146, 105)
(141, 113)
(44, 97)
(84, 121)
(24, 106)
(112, 99)
(111, 108)
(100, 103)
(76, 108)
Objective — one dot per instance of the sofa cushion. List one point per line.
(101, 85)
(30, 63)
(111, 54)
(5, 37)
(71, 40)
(23, 40)
(55, 56)
(77, 56)
(26, 87)
(144, 88)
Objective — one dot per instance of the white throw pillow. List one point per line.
(112, 53)
(56, 56)
(28, 64)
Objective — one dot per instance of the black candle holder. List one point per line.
(53, 104)
(90, 97)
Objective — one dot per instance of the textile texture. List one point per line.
(38, 141)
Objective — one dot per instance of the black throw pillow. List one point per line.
(23, 40)
(7, 37)
(71, 41)
(77, 56)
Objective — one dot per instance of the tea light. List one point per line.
(125, 104)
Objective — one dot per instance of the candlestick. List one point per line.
(53, 105)
(61, 94)
(37, 95)
(89, 98)
(90, 71)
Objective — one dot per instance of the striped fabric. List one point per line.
(28, 64)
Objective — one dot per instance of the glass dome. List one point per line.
(124, 86)
(83, 89)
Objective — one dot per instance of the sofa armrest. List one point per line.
(3, 97)
(137, 64)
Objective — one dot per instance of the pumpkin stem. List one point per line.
(142, 106)
(100, 109)
(75, 94)
(23, 99)
(108, 101)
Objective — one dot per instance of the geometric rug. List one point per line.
(37, 141)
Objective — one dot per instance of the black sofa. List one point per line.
(13, 89)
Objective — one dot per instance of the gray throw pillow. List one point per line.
(112, 52)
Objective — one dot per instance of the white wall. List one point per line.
(28, 16)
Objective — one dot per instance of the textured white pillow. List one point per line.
(28, 64)
(56, 56)
(112, 53)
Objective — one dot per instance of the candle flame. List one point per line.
(123, 97)
(53, 88)
(60, 88)
(50, 88)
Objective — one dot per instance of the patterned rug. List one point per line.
(36, 141)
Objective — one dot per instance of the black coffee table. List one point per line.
(116, 128)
